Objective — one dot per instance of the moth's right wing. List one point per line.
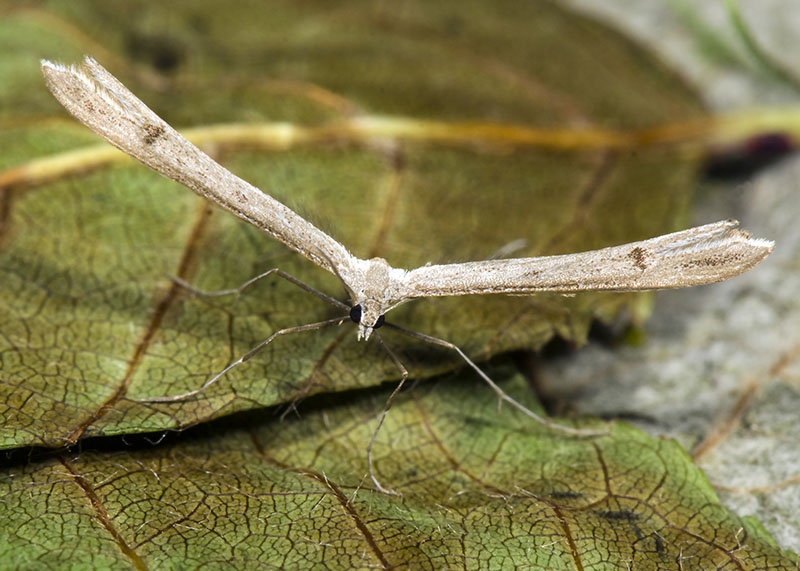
(697, 256)
(102, 103)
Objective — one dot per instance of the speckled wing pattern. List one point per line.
(102, 103)
(700, 255)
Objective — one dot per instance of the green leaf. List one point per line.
(92, 322)
(540, 111)
(479, 490)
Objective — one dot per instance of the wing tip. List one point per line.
(58, 74)
(50, 69)
(88, 71)
(727, 232)
(759, 247)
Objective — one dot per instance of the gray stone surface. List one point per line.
(719, 368)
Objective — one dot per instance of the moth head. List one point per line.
(368, 318)
(372, 294)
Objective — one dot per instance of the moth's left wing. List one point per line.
(696, 256)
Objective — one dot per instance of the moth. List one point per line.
(700, 255)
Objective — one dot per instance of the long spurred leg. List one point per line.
(245, 357)
(238, 290)
(278, 272)
(501, 394)
(386, 407)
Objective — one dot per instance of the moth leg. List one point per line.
(386, 407)
(238, 290)
(243, 358)
(501, 394)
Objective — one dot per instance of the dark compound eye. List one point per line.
(355, 316)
